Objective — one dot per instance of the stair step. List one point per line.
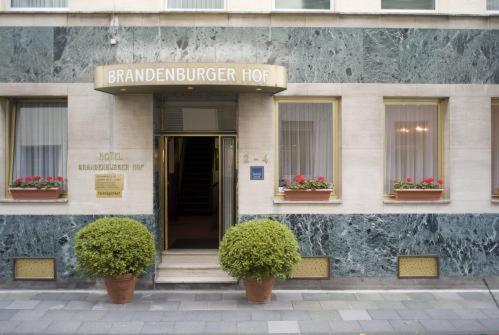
(194, 280)
(178, 274)
(190, 252)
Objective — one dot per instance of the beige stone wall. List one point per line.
(467, 161)
(97, 122)
(116, 5)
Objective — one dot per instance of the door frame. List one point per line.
(163, 180)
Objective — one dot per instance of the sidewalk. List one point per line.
(227, 312)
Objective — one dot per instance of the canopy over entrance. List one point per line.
(185, 77)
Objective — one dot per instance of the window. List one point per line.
(307, 140)
(413, 141)
(492, 4)
(495, 148)
(38, 4)
(195, 4)
(408, 4)
(303, 4)
(38, 139)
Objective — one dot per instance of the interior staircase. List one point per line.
(191, 266)
(195, 194)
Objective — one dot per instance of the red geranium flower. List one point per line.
(408, 180)
(19, 180)
(321, 179)
(299, 178)
(59, 178)
(36, 178)
(287, 181)
(440, 181)
(429, 180)
(48, 178)
(27, 179)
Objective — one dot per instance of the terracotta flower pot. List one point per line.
(120, 290)
(418, 195)
(307, 195)
(259, 292)
(19, 193)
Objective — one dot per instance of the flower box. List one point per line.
(31, 193)
(418, 194)
(307, 195)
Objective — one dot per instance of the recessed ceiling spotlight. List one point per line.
(190, 87)
(123, 89)
(258, 88)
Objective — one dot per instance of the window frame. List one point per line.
(490, 11)
(441, 104)
(291, 10)
(11, 107)
(36, 9)
(409, 11)
(167, 9)
(494, 103)
(335, 150)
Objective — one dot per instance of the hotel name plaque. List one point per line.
(109, 185)
(146, 78)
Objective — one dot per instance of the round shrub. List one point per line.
(112, 247)
(258, 249)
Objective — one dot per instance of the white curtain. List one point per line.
(495, 149)
(40, 142)
(305, 140)
(303, 4)
(411, 142)
(492, 4)
(196, 4)
(39, 4)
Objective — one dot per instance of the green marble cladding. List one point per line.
(50, 236)
(368, 244)
(329, 55)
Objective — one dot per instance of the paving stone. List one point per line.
(252, 327)
(420, 296)
(491, 312)
(94, 327)
(222, 305)
(138, 306)
(64, 296)
(390, 304)
(164, 306)
(383, 314)
(246, 306)
(189, 327)
(31, 327)
(79, 305)
(307, 305)
(278, 305)
(341, 326)
(324, 315)
(376, 326)
(314, 327)
(437, 325)
(265, 315)
(63, 327)
(468, 325)
(354, 314)
(369, 296)
(288, 296)
(406, 325)
(28, 315)
(221, 327)
(490, 324)
(6, 314)
(315, 296)
(208, 297)
(51, 305)
(148, 316)
(158, 327)
(194, 305)
(23, 304)
(283, 327)
(479, 296)
(236, 315)
(366, 304)
(394, 296)
(195, 316)
(181, 296)
(233, 296)
(131, 327)
(470, 314)
(5, 303)
(155, 296)
(447, 296)
(442, 314)
(89, 315)
(106, 306)
(294, 315)
(412, 304)
(117, 316)
(8, 326)
(413, 314)
(342, 296)
(335, 305)
(97, 297)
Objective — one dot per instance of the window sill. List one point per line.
(279, 200)
(417, 202)
(57, 201)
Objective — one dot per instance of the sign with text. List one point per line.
(256, 173)
(109, 185)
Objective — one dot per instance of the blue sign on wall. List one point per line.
(256, 173)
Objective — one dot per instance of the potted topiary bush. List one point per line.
(117, 249)
(259, 251)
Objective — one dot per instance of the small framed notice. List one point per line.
(256, 172)
(109, 185)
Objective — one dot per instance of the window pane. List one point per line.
(305, 140)
(195, 4)
(302, 4)
(408, 4)
(39, 4)
(40, 142)
(411, 142)
(492, 4)
(495, 149)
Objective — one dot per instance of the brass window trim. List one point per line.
(336, 138)
(442, 105)
(10, 126)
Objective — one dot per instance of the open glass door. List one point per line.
(228, 196)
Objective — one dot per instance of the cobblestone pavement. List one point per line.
(227, 312)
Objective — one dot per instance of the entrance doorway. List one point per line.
(200, 189)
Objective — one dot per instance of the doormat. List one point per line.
(193, 243)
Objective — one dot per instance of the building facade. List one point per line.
(190, 116)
